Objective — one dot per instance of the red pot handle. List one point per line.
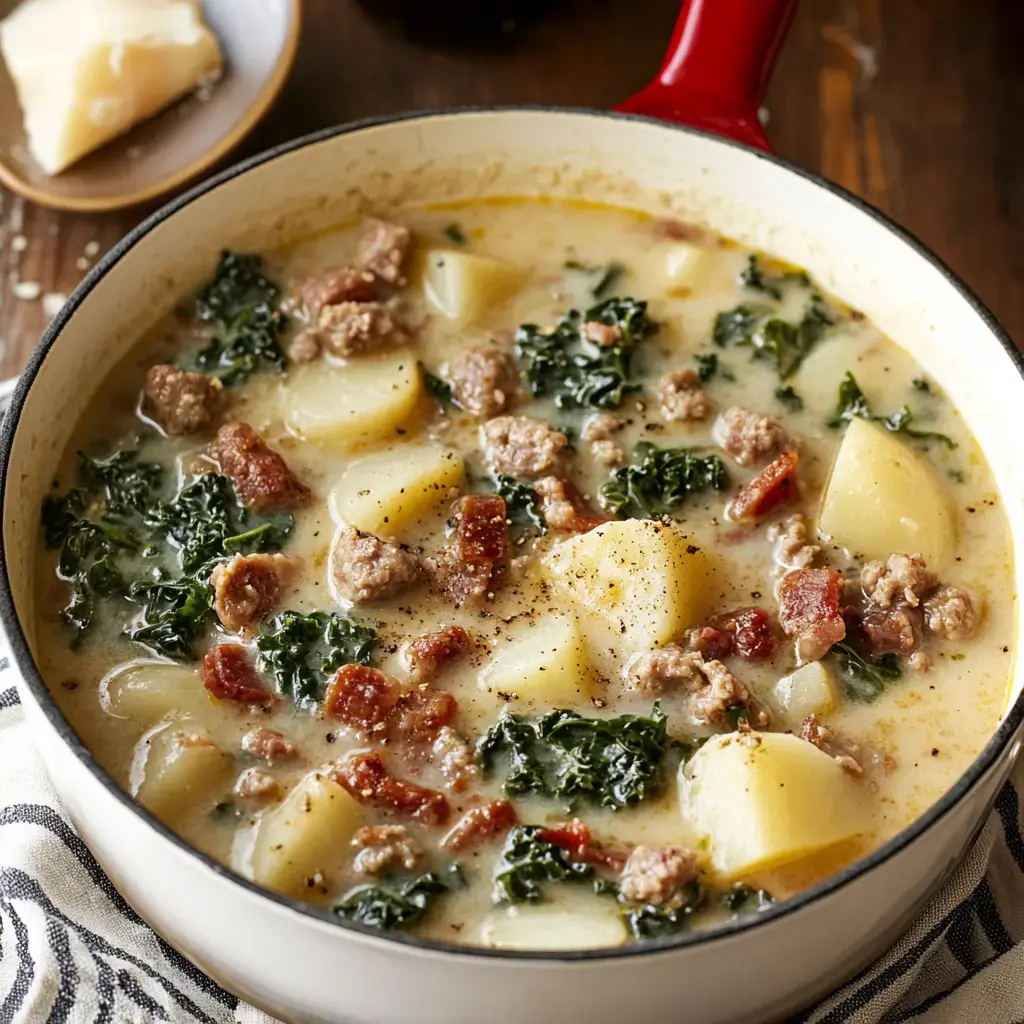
(717, 67)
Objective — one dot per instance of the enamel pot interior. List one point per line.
(584, 156)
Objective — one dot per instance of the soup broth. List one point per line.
(380, 575)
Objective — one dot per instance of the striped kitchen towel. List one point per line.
(72, 950)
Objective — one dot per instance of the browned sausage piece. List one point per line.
(183, 402)
(368, 568)
(367, 778)
(383, 250)
(484, 380)
(481, 824)
(261, 477)
(360, 696)
(428, 654)
(809, 610)
(229, 673)
(248, 587)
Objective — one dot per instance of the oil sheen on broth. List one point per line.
(676, 665)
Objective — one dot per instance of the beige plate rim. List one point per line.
(227, 142)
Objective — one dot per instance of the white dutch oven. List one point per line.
(303, 965)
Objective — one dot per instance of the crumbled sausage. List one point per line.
(775, 485)
(484, 380)
(604, 335)
(386, 846)
(346, 284)
(367, 778)
(462, 584)
(480, 824)
(598, 431)
(919, 661)
(902, 580)
(523, 447)
(791, 549)
(454, 758)
(305, 346)
(893, 629)
(574, 837)
(745, 633)
(428, 654)
(261, 477)
(682, 398)
(749, 437)
(421, 713)
(254, 784)
(349, 328)
(183, 402)
(367, 568)
(383, 250)
(844, 752)
(563, 506)
(360, 696)
(248, 586)
(710, 642)
(950, 613)
(722, 693)
(481, 535)
(267, 744)
(229, 673)
(666, 668)
(662, 876)
(809, 610)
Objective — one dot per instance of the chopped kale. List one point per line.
(864, 679)
(707, 365)
(386, 907)
(659, 480)
(527, 861)
(653, 922)
(126, 484)
(455, 234)
(789, 397)
(576, 373)
(241, 305)
(742, 898)
(302, 651)
(757, 279)
(437, 387)
(599, 280)
(613, 761)
(734, 326)
(174, 614)
(522, 505)
(922, 385)
(226, 811)
(851, 402)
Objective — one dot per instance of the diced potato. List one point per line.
(637, 582)
(390, 490)
(148, 690)
(810, 690)
(686, 264)
(882, 497)
(463, 286)
(309, 832)
(551, 928)
(545, 664)
(178, 770)
(348, 406)
(768, 799)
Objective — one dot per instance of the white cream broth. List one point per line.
(919, 735)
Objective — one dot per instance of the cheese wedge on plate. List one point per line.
(88, 70)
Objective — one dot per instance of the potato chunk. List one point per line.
(809, 690)
(351, 405)
(390, 490)
(545, 664)
(686, 265)
(148, 690)
(637, 582)
(883, 497)
(768, 799)
(463, 286)
(178, 770)
(550, 928)
(308, 833)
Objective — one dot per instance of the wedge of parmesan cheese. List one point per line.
(88, 70)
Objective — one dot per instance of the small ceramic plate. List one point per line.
(259, 39)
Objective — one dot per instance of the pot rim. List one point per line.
(9, 620)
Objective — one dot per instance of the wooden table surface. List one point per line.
(916, 106)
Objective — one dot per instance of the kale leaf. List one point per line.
(527, 861)
(659, 481)
(654, 922)
(851, 402)
(599, 280)
(707, 365)
(561, 364)
(789, 397)
(126, 484)
(242, 307)
(754, 277)
(522, 504)
(380, 906)
(303, 650)
(437, 387)
(734, 326)
(455, 234)
(174, 614)
(864, 679)
(614, 761)
(742, 898)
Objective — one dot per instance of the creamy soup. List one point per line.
(526, 574)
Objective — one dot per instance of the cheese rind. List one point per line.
(88, 70)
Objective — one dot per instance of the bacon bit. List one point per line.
(367, 778)
(574, 837)
(421, 714)
(745, 633)
(428, 654)
(712, 643)
(809, 610)
(564, 508)
(229, 674)
(480, 824)
(893, 629)
(269, 744)
(261, 477)
(604, 335)
(482, 534)
(360, 696)
(775, 485)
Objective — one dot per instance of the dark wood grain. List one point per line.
(914, 105)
